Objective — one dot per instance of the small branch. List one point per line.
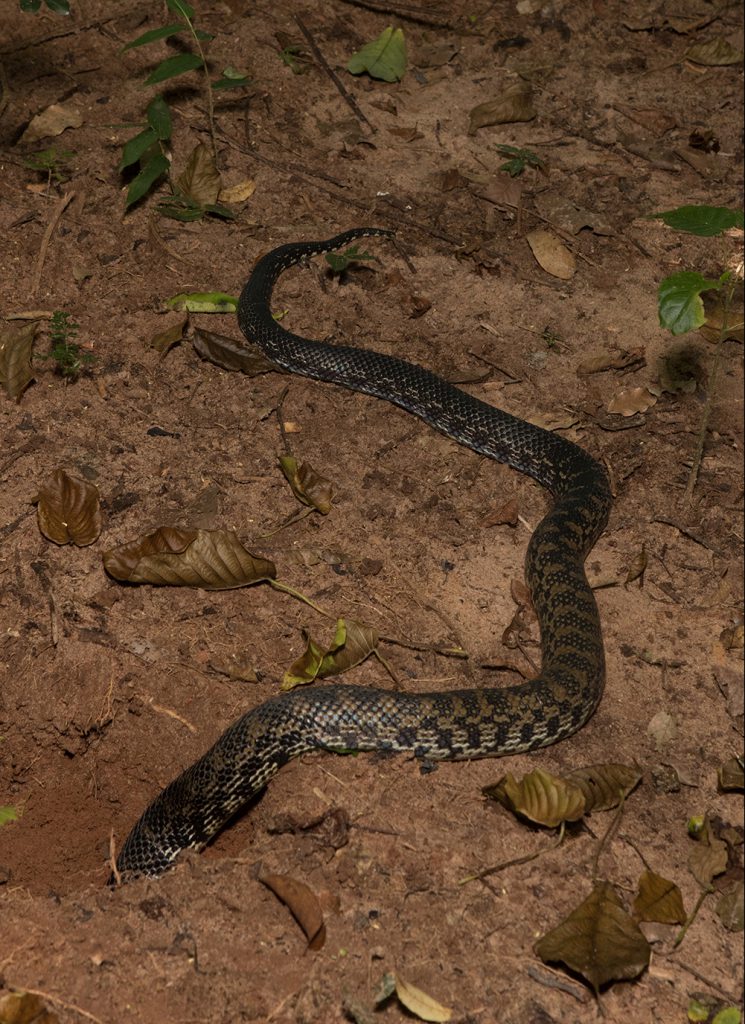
(348, 99)
(56, 214)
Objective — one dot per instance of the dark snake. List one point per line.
(450, 725)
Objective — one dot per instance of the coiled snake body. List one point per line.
(448, 725)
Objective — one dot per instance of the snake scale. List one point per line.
(456, 724)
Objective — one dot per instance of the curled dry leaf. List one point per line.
(637, 568)
(604, 785)
(200, 179)
(419, 1003)
(514, 104)
(15, 358)
(25, 1008)
(242, 356)
(729, 908)
(658, 899)
(164, 340)
(598, 940)
(631, 401)
(69, 510)
(730, 774)
(302, 903)
(551, 254)
(718, 52)
(239, 192)
(709, 856)
(352, 643)
(210, 559)
(540, 797)
(307, 485)
(505, 515)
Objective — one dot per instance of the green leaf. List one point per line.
(384, 58)
(729, 1015)
(705, 221)
(203, 302)
(159, 117)
(679, 301)
(231, 79)
(147, 177)
(58, 6)
(135, 148)
(30, 5)
(174, 66)
(339, 261)
(8, 814)
(155, 34)
(182, 8)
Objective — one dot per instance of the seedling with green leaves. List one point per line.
(681, 305)
(53, 162)
(340, 261)
(148, 147)
(519, 159)
(68, 355)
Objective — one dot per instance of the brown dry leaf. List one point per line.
(715, 316)
(540, 797)
(15, 358)
(514, 104)
(598, 939)
(200, 179)
(612, 361)
(239, 192)
(52, 121)
(630, 401)
(302, 903)
(210, 559)
(419, 1003)
(551, 254)
(714, 53)
(662, 729)
(637, 568)
(307, 485)
(25, 1008)
(709, 856)
(564, 214)
(242, 356)
(166, 339)
(505, 515)
(730, 775)
(352, 643)
(604, 785)
(729, 908)
(69, 510)
(658, 899)
(655, 120)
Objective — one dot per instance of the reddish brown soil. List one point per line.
(109, 691)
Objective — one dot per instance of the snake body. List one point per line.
(449, 725)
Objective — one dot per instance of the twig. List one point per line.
(481, 875)
(347, 97)
(406, 12)
(57, 1001)
(56, 214)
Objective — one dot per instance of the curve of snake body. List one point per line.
(457, 724)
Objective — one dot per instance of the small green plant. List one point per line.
(339, 261)
(53, 162)
(55, 6)
(519, 159)
(148, 148)
(66, 353)
(680, 302)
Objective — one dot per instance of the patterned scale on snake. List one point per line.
(457, 724)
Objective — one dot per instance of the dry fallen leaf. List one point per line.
(307, 485)
(604, 785)
(302, 903)
(16, 344)
(514, 104)
(164, 340)
(729, 908)
(233, 355)
(52, 121)
(69, 510)
(631, 401)
(352, 643)
(714, 53)
(540, 797)
(658, 899)
(239, 192)
(598, 939)
(200, 179)
(709, 856)
(210, 559)
(25, 1008)
(419, 1003)
(551, 254)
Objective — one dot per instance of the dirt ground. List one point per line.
(108, 691)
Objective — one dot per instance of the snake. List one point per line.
(458, 724)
